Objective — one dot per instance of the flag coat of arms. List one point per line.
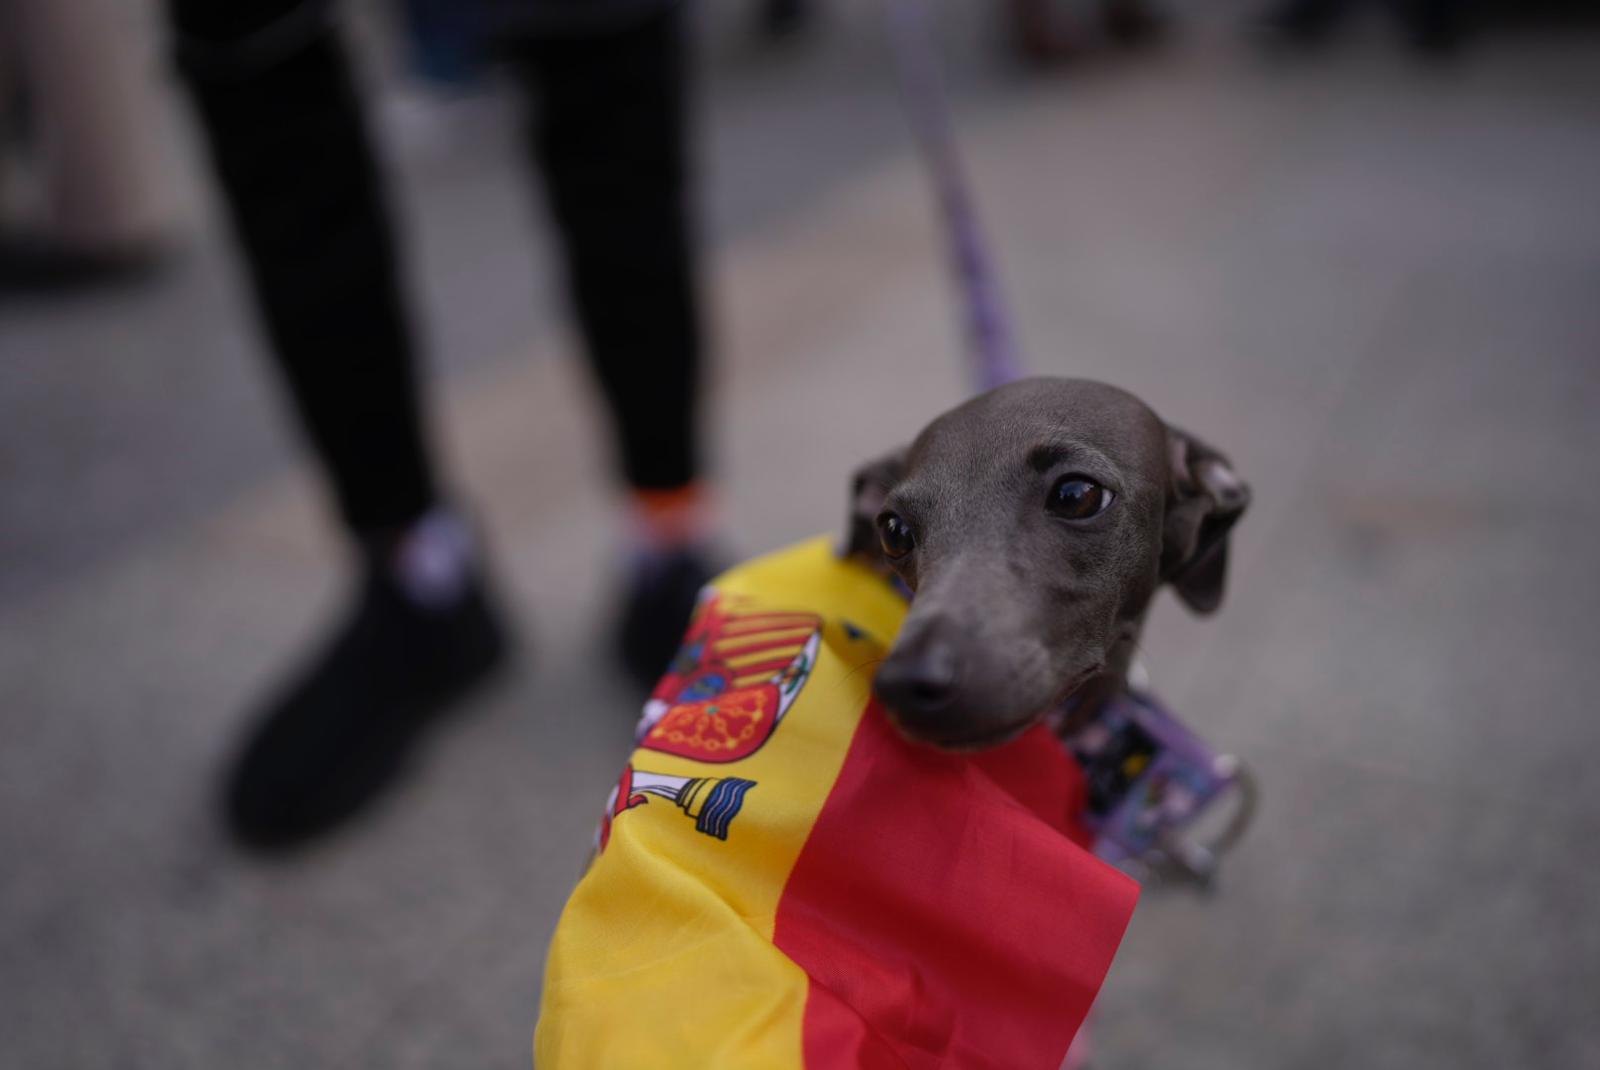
(783, 881)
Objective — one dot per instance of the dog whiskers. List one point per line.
(872, 663)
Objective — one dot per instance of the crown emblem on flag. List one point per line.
(732, 680)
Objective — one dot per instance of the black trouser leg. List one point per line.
(1311, 18)
(272, 87)
(610, 132)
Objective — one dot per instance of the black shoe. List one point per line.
(341, 732)
(659, 603)
(1133, 24)
(35, 264)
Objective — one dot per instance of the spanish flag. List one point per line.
(783, 881)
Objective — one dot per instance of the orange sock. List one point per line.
(668, 520)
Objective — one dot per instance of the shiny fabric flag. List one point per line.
(783, 881)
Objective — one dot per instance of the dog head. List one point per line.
(1034, 523)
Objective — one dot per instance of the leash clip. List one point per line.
(1181, 857)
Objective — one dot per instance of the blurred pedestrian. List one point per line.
(1432, 26)
(1045, 34)
(286, 129)
(79, 108)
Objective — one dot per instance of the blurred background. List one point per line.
(1367, 267)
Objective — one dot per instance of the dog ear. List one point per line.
(868, 488)
(1204, 500)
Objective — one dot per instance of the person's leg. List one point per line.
(272, 87)
(610, 133)
(274, 95)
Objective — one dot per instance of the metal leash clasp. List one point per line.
(1179, 857)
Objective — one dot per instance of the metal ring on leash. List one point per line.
(1178, 858)
(1249, 789)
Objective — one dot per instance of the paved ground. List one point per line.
(1375, 286)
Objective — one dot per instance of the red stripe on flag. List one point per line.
(793, 644)
(767, 622)
(942, 911)
(762, 669)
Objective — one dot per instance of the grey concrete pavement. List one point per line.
(1374, 285)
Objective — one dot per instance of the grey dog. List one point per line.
(1034, 525)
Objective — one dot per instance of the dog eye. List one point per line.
(1077, 498)
(894, 535)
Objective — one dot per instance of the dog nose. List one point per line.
(919, 677)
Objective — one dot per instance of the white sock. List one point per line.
(434, 559)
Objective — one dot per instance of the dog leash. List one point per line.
(991, 343)
(1154, 785)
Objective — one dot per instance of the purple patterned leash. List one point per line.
(990, 339)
